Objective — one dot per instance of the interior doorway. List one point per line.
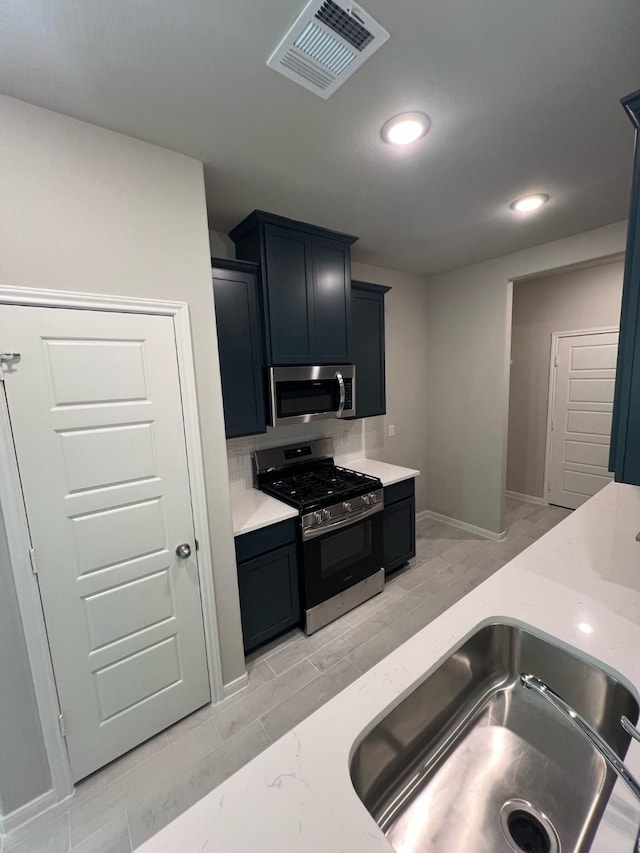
(56, 370)
(581, 387)
(583, 298)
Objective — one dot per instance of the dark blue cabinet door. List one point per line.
(367, 347)
(306, 287)
(235, 294)
(624, 459)
(288, 271)
(331, 300)
(269, 602)
(399, 524)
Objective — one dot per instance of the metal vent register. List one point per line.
(325, 45)
(348, 25)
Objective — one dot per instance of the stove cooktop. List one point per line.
(315, 489)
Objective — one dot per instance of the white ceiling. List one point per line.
(523, 96)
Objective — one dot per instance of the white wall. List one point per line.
(406, 316)
(85, 209)
(468, 343)
(221, 245)
(586, 298)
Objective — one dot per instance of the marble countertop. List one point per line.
(389, 474)
(252, 510)
(297, 795)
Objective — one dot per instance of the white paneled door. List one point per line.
(96, 414)
(581, 419)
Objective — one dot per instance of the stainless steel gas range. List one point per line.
(339, 526)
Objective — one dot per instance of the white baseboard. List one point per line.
(530, 499)
(15, 819)
(235, 685)
(463, 525)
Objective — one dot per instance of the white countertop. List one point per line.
(389, 474)
(252, 510)
(297, 795)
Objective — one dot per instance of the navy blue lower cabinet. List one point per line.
(268, 585)
(367, 347)
(235, 286)
(399, 525)
(624, 458)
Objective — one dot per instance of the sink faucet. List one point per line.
(614, 761)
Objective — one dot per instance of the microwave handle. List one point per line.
(342, 394)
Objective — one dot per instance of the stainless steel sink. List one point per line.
(472, 761)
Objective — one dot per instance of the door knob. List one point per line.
(184, 550)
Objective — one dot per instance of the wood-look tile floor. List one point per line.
(120, 806)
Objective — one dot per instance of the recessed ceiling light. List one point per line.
(585, 628)
(528, 203)
(405, 128)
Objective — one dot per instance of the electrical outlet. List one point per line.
(392, 430)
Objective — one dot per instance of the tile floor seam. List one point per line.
(348, 627)
(266, 661)
(126, 820)
(67, 814)
(264, 729)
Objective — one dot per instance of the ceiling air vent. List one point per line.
(326, 44)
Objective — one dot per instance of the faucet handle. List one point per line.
(629, 728)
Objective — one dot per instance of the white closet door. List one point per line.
(95, 408)
(581, 424)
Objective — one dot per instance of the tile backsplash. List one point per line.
(351, 439)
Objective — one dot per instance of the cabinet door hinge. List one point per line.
(553, 425)
(555, 361)
(63, 730)
(32, 558)
(197, 545)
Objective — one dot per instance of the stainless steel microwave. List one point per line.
(304, 394)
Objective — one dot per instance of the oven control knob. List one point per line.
(317, 517)
(326, 515)
(366, 500)
(347, 506)
(372, 497)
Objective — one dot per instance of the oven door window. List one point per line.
(342, 550)
(336, 561)
(307, 397)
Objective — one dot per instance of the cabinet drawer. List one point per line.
(258, 542)
(399, 491)
(269, 602)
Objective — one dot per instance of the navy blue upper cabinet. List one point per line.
(624, 459)
(331, 300)
(288, 266)
(235, 286)
(367, 347)
(306, 287)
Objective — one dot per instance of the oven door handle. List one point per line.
(314, 532)
(343, 397)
